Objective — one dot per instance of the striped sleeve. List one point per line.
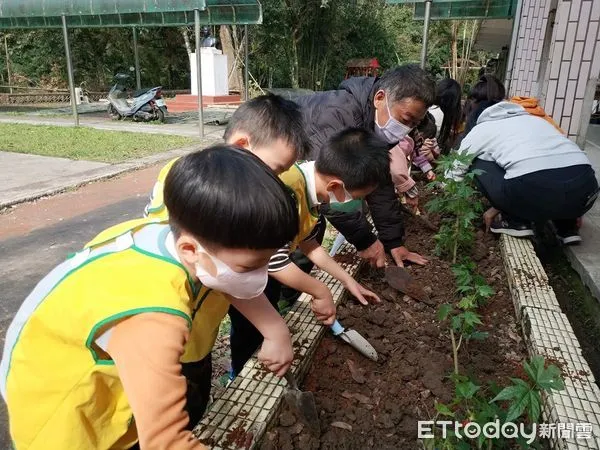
(280, 259)
(317, 228)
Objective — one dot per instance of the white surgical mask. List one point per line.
(333, 199)
(239, 285)
(393, 131)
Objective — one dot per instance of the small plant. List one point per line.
(462, 318)
(471, 285)
(458, 204)
(462, 324)
(518, 403)
(524, 396)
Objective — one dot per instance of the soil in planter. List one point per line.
(365, 404)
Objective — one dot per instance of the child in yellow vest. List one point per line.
(273, 129)
(269, 126)
(351, 166)
(92, 358)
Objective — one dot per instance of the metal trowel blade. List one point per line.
(354, 338)
(400, 279)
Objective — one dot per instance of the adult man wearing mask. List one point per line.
(391, 106)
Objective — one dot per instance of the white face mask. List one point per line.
(393, 131)
(239, 285)
(333, 199)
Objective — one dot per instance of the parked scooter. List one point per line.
(145, 106)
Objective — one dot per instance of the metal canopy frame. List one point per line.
(428, 10)
(469, 9)
(65, 14)
(126, 13)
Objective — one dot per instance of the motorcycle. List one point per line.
(145, 106)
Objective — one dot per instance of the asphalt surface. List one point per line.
(27, 258)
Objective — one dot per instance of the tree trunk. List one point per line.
(295, 66)
(454, 49)
(234, 64)
(186, 41)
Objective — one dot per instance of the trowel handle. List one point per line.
(289, 377)
(337, 328)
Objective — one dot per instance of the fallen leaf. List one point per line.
(407, 316)
(426, 393)
(347, 395)
(296, 429)
(357, 374)
(513, 336)
(342, 425)
(362, 399)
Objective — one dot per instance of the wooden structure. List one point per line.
(362, 67)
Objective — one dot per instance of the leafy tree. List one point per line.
(301, 43)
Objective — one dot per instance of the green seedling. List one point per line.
(523, 396)
(462, 324)
(519, 403)
(471, 285)
(459, 205)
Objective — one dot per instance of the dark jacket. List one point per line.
(329, 112)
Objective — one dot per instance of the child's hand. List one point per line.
(362, 294)
(375, 254)
(277, 354)
(323, 307)
(430, 175)
(489, 216)
(413, 202)
(430, 149)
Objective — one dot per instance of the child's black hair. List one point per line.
(488, 91)
(488, 88)
(427, 127)
(357, 157)
(408, 81)
(267, 118)
(448, 98)
(228, 197)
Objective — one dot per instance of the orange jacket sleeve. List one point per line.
(146, 349)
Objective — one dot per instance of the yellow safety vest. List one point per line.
(156, 208)
(61, 392)
(293, 179)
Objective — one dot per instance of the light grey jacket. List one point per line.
(518, 142)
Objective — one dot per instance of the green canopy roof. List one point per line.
(126, 13)
(463, 9)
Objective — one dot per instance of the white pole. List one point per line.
(136, 58)
(199, 74)
(425, 33)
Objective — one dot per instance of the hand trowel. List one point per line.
(354, 339)
(401, 280)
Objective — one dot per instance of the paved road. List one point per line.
(35, 237)
(179, 124)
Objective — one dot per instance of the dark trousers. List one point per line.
(199, 382)
(245, 339)
(561, 195)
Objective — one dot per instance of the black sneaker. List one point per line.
(510, 227)
(569, 237)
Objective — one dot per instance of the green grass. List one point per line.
(85, 143)
(225, 327)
